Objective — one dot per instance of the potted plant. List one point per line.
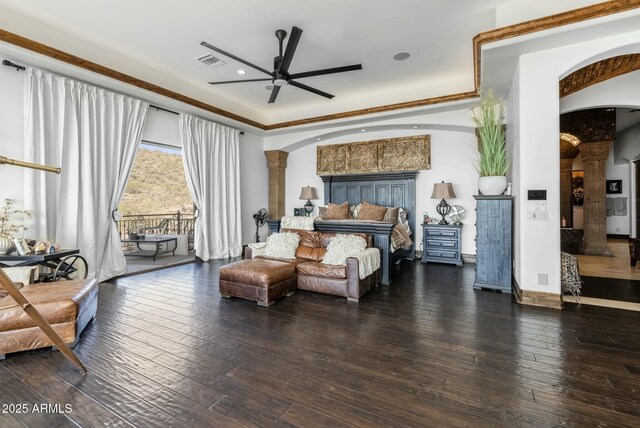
(492, 163)
(7, 228)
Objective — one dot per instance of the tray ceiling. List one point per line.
(159, 41)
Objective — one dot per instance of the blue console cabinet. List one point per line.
(494, 242)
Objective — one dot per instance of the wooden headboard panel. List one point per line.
(390, 189)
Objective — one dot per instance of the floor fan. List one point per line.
(260, 218)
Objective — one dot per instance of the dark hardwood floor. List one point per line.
(626, 290)
(166, 350)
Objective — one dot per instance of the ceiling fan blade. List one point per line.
(310, 89)
(292, 44)
(225, 53)
(239, 81)
(326, 71)
(274, 94)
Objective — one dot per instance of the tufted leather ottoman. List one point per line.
(258, 279)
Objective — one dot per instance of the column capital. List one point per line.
(595, 150)
(276, 158)
(566, 164)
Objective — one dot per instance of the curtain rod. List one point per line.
(19, 67)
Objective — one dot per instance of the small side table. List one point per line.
(441, 243)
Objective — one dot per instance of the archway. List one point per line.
(598, 105)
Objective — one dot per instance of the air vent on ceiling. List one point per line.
(210, 60)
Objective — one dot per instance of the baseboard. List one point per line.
(614, 236)
(469, 258)
(536, 298)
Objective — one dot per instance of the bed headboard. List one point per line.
(390, 189)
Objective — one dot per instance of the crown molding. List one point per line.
(511, 31)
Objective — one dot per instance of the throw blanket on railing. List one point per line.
(305, 223)
(368, 262)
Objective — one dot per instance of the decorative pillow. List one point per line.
(354, 210)
(391, 216)
(282, 245)
(343, 246)
(338, 212)
(402, 216)
(322, 212)
(371, 212)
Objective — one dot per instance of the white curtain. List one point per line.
(210, 154)
(93, 135)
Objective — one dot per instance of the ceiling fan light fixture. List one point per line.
(241, 71)
(280, 82)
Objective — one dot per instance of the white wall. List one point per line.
(513, 145)
(628, 144)
(451, 160)
(11, 135)
(619, 225)
(161, 127)
(254, 185)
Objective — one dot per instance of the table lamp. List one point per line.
(443, 191)
(308, 193)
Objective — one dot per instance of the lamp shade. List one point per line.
(308, 192)
(443, 191)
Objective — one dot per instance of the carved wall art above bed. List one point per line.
(391, 154)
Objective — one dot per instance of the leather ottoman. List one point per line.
(68, 306)
(263, 281)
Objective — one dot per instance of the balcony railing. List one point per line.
(161, 224)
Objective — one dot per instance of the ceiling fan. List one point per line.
(280, 75)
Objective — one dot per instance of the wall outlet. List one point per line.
(543, 279)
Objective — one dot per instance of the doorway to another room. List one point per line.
(599, 204)
(157, 223)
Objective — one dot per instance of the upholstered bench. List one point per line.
(260, 280)
(68, 306)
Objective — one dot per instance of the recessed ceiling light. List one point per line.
(415, 126)
(269, 87)
(242, 71)
(318, 139)
(362, 130)
(401, 56)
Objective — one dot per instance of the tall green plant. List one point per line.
(492, 139)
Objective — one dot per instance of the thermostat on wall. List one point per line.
(537, 195)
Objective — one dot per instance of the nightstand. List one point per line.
(441, 243)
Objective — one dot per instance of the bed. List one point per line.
(391, 189)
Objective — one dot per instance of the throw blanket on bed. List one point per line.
(304, 223)
(400, 237)
(368, 262)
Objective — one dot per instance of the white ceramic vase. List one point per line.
(5, 244)
(492, 185)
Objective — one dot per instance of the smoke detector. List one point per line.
(210, 60)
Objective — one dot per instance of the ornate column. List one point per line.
(594, 157)
(277, 163)
(566, 209)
